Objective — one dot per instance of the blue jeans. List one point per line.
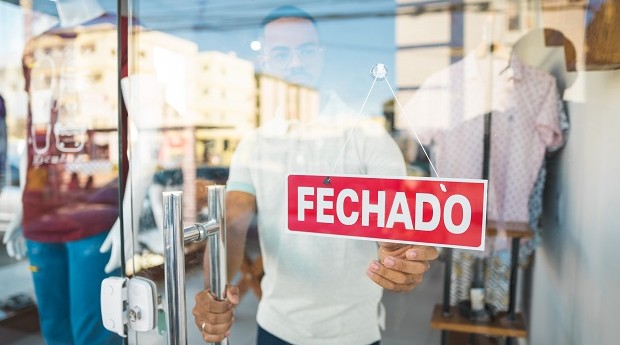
(265, 338)
(67, 279)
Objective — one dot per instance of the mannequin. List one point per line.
(73, 12)
(146, 97)
(68, 230)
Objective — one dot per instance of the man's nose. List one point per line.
(295, 60)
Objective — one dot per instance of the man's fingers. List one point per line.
(201, 315)
(406, 266)
(393, 249)
(392, 285)
(395, 276)
(232, 294)
(213, 317)
(214, 338)
(421, 253)
(216, 329)
(409, 252)
(207, 302)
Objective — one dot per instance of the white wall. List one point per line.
(576, 286)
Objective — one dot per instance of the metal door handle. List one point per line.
(175, 237)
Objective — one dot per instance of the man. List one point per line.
(316, 290)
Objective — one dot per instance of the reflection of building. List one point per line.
(225, 105)
(215, 146)
(431, 35)
(276, 96)
(80, 70)
(170, 62)
(217, 94)
(12, 89)
(226, 91)
(225, 119)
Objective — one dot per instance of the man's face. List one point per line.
(291, 51)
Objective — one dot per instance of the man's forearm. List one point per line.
(235, 248)
(240, 211)
(235, 251)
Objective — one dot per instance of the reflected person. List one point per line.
(63, 220)
(316, 290)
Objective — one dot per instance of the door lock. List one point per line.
(135, 314)
(128, 303)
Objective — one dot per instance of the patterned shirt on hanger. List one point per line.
(448, 110)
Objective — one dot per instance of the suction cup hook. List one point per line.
(379, 71)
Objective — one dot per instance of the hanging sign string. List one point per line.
(402, 110)
(357, 117)
(379, 72)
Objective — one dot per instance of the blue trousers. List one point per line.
(67, 279)
(265, 338)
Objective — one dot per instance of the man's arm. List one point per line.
(240, 210)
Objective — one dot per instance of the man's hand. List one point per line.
(214, 318)
(400, 267)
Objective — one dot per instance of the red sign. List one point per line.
(427, 211)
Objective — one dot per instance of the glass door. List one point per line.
(171, 148)
(106, 105)
(245, 93)
(203, 78)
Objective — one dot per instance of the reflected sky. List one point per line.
(355, 35)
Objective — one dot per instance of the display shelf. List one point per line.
(15, 324)
(457, 338)
(500, 326)
(513, 229)
(509, 324)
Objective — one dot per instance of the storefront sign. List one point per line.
(427, 211)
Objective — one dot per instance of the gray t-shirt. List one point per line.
(315, 290)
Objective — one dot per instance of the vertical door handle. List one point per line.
(175, 237)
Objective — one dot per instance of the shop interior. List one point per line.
(522, 93)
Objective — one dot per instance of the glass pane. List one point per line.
(59, 160)
(231, 92)
(247, 92)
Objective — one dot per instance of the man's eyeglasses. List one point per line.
(282, 56)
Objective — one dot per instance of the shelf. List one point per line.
(455, 338)
(501, 326)
(17, 324)
(513, 229)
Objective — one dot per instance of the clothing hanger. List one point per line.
(495, 50)
(491, 44)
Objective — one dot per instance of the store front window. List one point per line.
(105, 105)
